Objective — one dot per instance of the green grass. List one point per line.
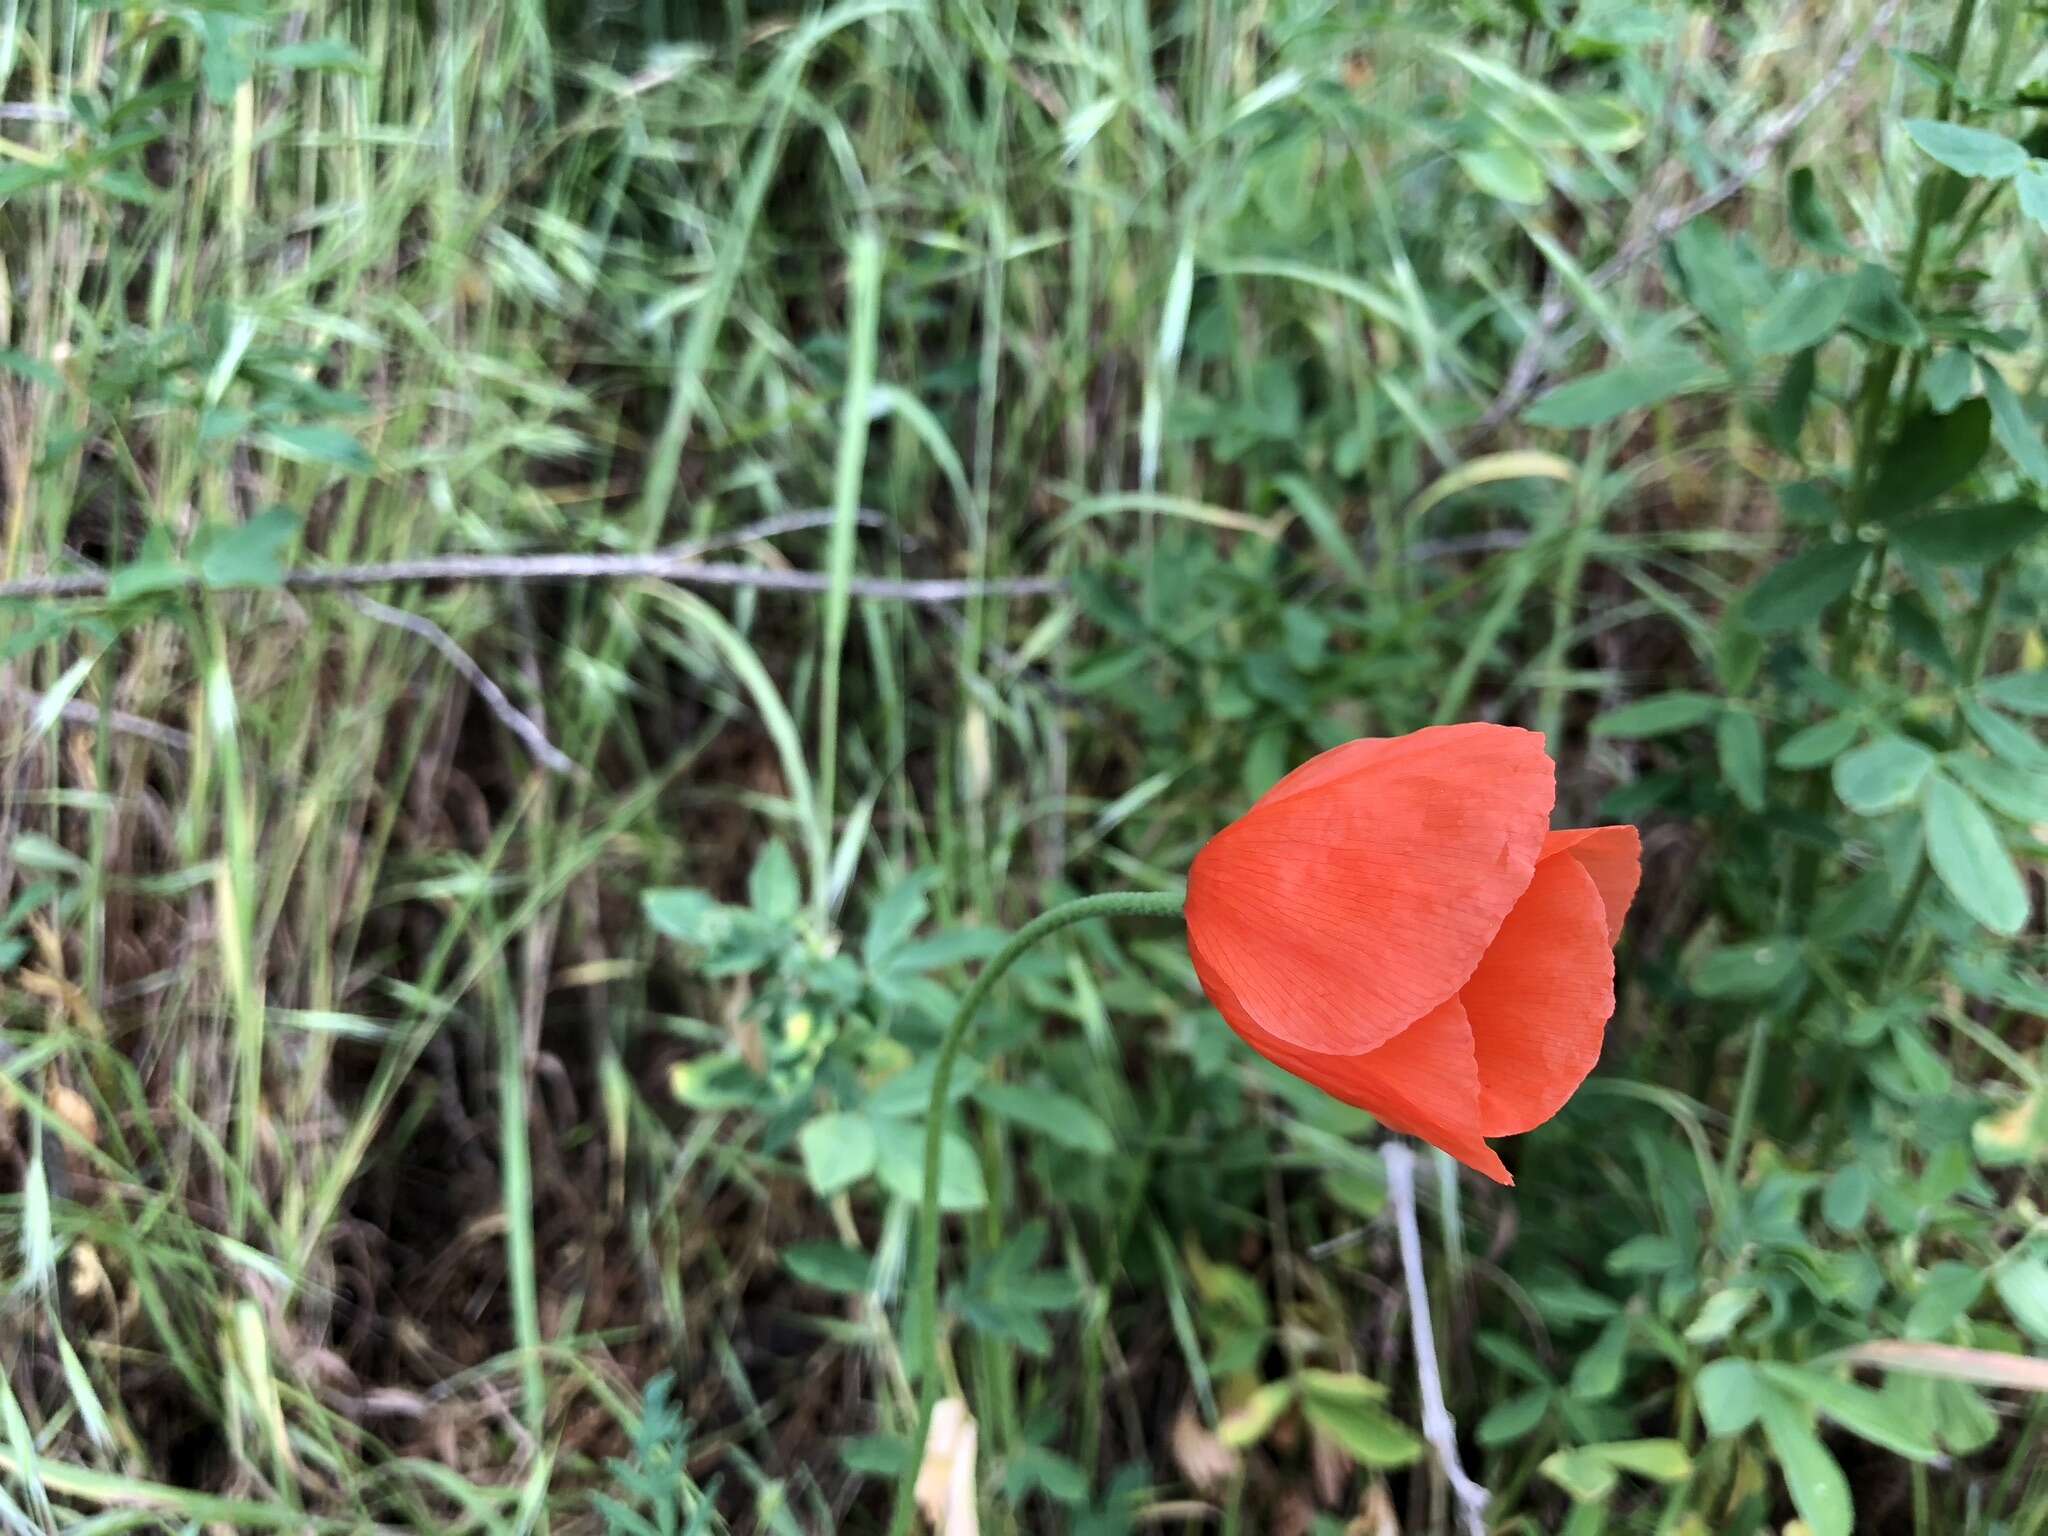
(347, 1181)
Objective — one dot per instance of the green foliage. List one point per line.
(320, 999)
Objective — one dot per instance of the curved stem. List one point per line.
(924, 1305)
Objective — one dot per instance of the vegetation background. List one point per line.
(463, 1025)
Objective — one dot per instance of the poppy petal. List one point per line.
(1540, 1000)
(1613, 856)
(1362, 890)
(1424, 1082)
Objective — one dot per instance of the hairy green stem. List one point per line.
(924, 1304)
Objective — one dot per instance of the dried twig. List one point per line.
(1438, 1427)
(659, 566)
(1527, 370)
(520, 724)
(80, 712)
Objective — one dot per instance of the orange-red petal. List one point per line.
(1613, 856)
(1424, 1082)
(1362, 889)
(1540, 1000)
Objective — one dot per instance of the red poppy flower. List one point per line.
(1395, 923)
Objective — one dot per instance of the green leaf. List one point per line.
(1510, 1419)
(2022, 1284)
(1659, 716)
(1878, 309)
(1597, 1373)
(1946, 1295)
(2008, 790)
(1584, 1476)
(1882, 775)
(773, 890)
(2032, 185)
(1967, 151)
(1504, 171)
(1370, 1435)
(1635, 386)
(1720, 1313)
(34, 369)
(2016, 431)
(1965, 850)
(1785, 419)
(1948, 378)
(839, 1150)
(1739, 743)
(144, 577)
(1980, 535)
(2007, 738)
(1056, 1116)
(1730, 1395)
(1801, 589)
(2024, 693)
(1759, 969)
(1845, 1202)
(1806, 311)
(1812, 1475)
(1249, 1422)
(1034, 1466)
(1812, 220)
(894, 919)
(829, 1266)
(1930, 456)
(900, 1164)
(1857, 1409)
(1661, 1461)
(247, 556)
(1820, 743)
(319, 445)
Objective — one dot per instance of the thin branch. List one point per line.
(1527, 369)
(80, 712)
(1438, 1427)
(520, 724)
(659, 566)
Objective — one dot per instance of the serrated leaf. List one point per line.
(1967, 151)
(1882, 775)
(839, 1150)
(1054, 1115)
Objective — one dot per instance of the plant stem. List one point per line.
(924, 1304)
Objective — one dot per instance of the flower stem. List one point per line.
(924, 1305)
